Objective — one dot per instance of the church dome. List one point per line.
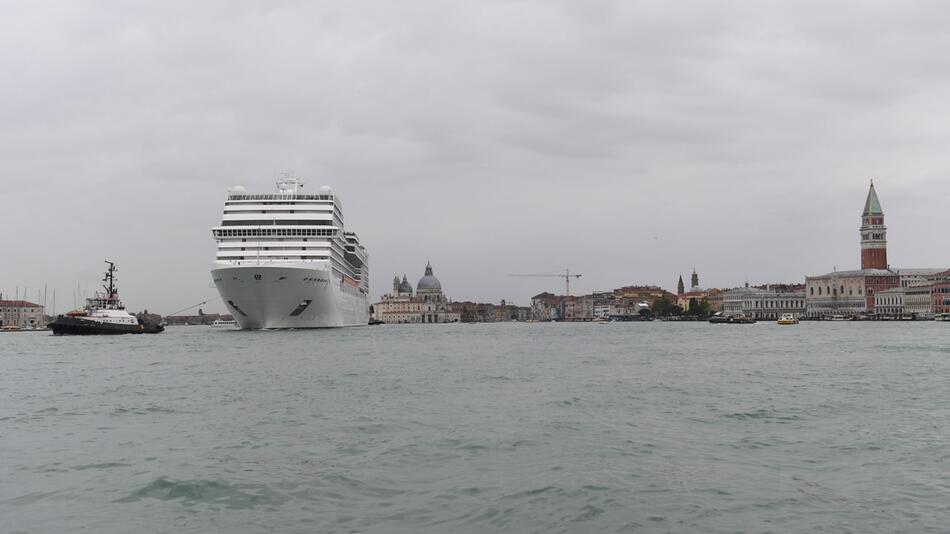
(429, 281)
(405, 286)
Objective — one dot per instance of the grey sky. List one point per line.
(629, 141)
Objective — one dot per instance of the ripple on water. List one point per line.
(142, 411)
(215, 492)
(764, 415)
(103, 465)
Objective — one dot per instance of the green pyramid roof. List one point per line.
(872, 206)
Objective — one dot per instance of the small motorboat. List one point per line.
(719, 318)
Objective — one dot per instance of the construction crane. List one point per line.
(567, 275)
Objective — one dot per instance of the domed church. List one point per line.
(428, 305)
(429, 288)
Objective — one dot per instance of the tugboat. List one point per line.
(103, 314)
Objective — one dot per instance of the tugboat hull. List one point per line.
(84, 327)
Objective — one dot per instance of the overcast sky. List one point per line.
(628, 141)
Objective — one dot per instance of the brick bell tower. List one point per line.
(873, 233)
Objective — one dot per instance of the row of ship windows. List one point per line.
(283, 222)
(282, 203)
(276, 212)
(293, 196)
(270, 258)
(259, 232)
(322, 206)
(321, 249)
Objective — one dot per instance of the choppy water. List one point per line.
(661, 427)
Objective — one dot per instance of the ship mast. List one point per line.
(110, 280)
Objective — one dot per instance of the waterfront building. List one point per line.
(890, 302)
(846, 292)
(916, 302)
(763, 303)
(427, 305)
(601, 304)
(627, 307)
(714, 299)
(546, 307)
(474, 312)
(621, 303)
(569, 308)
(511, 312)
(916, 277)
(696, 293)
(852, 292)
(643, 294)
(919, 301)
(941, 293)
(21, 314)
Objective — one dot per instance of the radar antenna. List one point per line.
(288, 183)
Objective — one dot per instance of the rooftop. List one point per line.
(854, 273)
(872, 206)
(19, 304)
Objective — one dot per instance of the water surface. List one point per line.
(628, 427)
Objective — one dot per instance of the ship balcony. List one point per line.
(255, 244)
(269, 218)
(266, 254)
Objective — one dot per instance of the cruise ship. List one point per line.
(284, 260)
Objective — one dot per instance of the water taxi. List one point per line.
(942, 317)
(788, 318)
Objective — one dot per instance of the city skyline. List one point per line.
(627, 143)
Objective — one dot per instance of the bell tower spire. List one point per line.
(873, 233)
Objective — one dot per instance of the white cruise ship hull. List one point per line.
(304, 295)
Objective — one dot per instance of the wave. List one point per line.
(191, 492)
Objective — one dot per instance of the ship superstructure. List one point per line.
(285, 260)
